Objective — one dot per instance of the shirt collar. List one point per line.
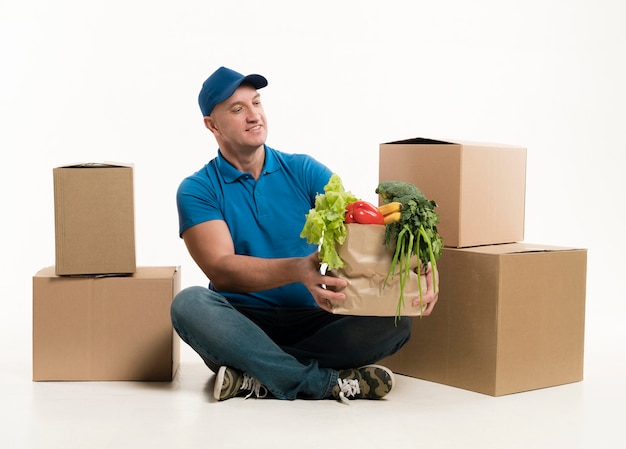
(231, 174)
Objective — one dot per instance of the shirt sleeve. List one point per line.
(196, 202)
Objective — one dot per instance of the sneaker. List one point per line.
(367, 382)
(230, 382)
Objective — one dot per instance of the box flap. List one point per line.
(465, 143)
(516, 248)
(418, 141)
(46, 272)
(143, 272)
(98, 165)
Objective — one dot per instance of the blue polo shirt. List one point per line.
(265, 216)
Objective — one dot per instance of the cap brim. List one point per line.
(257, 81)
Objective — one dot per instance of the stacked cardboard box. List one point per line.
(105, 328)
(510, 315)
(94, 219)
(96, 315)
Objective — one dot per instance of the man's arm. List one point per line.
(211, 247)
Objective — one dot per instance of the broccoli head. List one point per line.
(400, 191)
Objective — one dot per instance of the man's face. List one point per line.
(239, 123)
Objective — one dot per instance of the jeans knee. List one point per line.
(184, 300)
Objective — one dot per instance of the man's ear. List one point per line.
(210, 124)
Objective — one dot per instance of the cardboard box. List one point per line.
(105, 328)
(480, 188)
(510, 318)
(94, 219)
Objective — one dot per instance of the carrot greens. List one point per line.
(414, 234)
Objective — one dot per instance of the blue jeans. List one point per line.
(293, 352)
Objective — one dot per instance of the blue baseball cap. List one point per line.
(222, 84)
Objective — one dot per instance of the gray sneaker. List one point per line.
(230, 382)
(367, 382)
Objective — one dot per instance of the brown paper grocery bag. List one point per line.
(367, 261)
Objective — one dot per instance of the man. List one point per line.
(263, 325)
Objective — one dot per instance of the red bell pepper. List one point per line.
(363, 212)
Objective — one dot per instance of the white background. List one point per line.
(118, 81)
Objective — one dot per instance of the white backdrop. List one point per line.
(118, 81)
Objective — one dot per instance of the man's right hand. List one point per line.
(324, 288)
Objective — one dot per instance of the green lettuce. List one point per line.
(324, 224)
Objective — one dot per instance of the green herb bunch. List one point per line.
(415, 234)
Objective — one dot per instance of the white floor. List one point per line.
(588, 414)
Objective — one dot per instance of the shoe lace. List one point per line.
(348, 388)
(255, 387)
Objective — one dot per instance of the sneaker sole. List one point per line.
(388, 371)
(384, 368)
(219, 380)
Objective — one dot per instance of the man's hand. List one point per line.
(323, 288)
(430, 296)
